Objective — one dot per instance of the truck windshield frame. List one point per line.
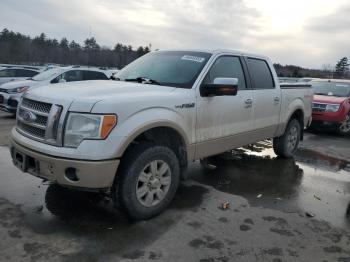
(167, 68)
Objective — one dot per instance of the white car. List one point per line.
(10, 93)
(134, 137)
(16, 73)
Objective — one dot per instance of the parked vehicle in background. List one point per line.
(307, 79)
(113, 72)
(133, 137)
(331, 105)
(10, 93)
(288, 79)
(16, 73)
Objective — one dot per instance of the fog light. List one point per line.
(71, 174)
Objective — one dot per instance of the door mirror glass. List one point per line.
(220, 87)
(62, 80)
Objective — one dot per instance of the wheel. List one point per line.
(286, 145)
(148, 180)
(344, 128)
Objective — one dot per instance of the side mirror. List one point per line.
(220, 87)
(62, 80)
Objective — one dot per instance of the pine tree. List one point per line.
(342, 67)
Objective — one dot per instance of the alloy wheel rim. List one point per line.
(345, 127)
(153, 183)
(292, 139)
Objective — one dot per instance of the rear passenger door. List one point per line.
(266, 98)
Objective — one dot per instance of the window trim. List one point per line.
(251, 76)
(244, 69)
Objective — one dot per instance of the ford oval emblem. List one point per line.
(28, 117)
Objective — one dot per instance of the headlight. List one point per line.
(18, 90)
(332, 108)
(87, 126)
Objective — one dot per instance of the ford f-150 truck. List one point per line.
(134, 137)
(331, 105)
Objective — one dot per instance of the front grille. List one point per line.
(316, 107)
(31, 130)
(3, 90)
(36, 105)
(39, 120)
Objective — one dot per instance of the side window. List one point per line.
(226, 66)
(93, 75)
(7, 73)
(261, 74)
(72, 75)
(25, 73)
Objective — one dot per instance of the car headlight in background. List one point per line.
(18, 90)
(87, 126)
(332, 108)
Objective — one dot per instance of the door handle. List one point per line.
(276, 100)
(248, 102)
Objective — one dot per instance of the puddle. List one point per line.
(312, 182)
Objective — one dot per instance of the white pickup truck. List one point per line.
(133, 137)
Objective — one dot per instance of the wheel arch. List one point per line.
(161, 133)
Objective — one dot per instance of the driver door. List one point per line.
(224, 122)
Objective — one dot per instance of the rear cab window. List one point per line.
(260, 74)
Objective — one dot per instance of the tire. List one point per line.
(286, 145)
(344, 128)
(148, 180)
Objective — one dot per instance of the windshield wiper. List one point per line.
(143, 80)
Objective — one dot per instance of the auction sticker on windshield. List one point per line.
(193, 58)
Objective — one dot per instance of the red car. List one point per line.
(331, 105)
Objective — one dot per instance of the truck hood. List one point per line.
(18, 83)
(329, 99)
(84, 94)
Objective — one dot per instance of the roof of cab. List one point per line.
(220, 51)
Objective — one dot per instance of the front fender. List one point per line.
(147, 119)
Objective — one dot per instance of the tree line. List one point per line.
(17, 48)
(340, 70)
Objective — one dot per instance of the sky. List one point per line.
(308, 33)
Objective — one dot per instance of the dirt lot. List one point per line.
(266, 221)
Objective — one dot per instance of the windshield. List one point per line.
(170, 68)
(338, 89)
(48, 74)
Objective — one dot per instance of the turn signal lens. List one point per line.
(108, 123)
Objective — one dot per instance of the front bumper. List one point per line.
(9, 102)
(90, 174)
